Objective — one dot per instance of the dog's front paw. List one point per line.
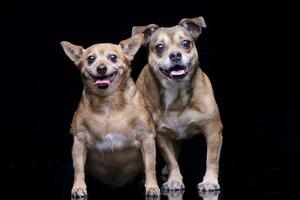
(152, 191)
(173, 185)
(79, 192)
(209, 185)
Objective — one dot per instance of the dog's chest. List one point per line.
(169, 96)
(178, 125)
(174, 96)
(111, 132)
(115, 141)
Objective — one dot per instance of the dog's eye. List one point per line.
(159, 48)
(91, 59)
(113, 58)
(186, 44)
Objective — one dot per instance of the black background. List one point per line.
(246, 52)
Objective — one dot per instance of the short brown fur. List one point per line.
(181, 108)
(113, 130)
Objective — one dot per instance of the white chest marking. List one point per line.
(170, 95)
(172, 91)
(112, 141)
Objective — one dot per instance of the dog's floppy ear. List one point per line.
(74, 52)
(131, 46)
(146, 30)
(193, 25)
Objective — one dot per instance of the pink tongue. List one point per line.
(102, 82)
(177, 72)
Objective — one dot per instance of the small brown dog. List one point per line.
(113, 131)
(180, 97)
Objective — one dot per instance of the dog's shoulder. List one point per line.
(78, 119)
(143, 78)
(203, 95)
(201, 83)
(149, 88)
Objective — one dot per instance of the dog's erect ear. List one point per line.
(131, 46)
(193, 25)
(146, 30)
(74, 52)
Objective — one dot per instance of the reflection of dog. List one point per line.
(212, 195)
(180, 97)
(174, 195)
(178, 195)
(112, 126)
(79, 198)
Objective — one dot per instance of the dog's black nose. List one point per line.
(175, 56)
(102, 69)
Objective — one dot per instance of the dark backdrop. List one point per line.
(245, 51)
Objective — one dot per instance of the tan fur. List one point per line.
(181, 109)
(113, 131)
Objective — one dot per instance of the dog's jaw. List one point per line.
(175, 73)
(103, 82)
(106, 85)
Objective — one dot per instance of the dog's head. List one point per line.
(104, 67)
(172, 51)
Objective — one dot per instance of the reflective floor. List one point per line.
(53, 180)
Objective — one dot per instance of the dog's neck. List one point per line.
(113, 101)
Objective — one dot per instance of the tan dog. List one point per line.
(113, 131)
(180, 97)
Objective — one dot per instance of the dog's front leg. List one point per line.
(79, 152)
(149, 156)
(213, 134)
(177, 148)
(168, 152)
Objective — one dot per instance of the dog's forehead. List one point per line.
(104, 48)
(170, 32)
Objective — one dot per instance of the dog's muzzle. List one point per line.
(177, 72)
(104, 81)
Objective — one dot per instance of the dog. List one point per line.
(114, 134)
(180, 97)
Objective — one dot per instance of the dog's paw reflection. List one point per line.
(209, 195)
(174, 195)
(78, 197)
(152, 197)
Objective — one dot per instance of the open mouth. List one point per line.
(177, 72)
(103, 82)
